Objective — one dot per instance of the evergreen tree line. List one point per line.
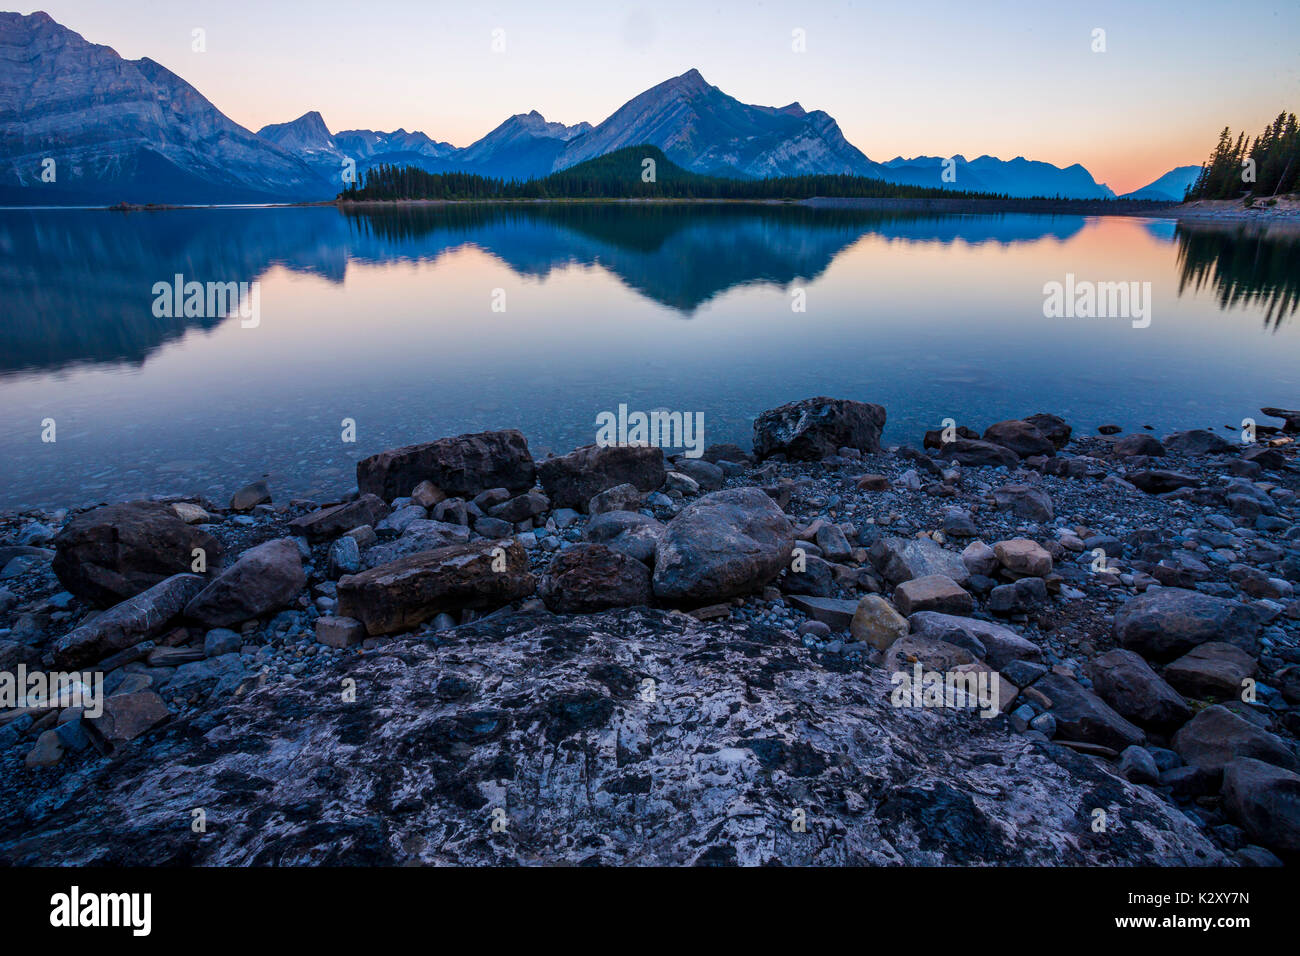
(618, 175)
(1268, 165)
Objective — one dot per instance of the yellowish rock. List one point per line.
(875, 622)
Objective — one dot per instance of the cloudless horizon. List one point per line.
(1008, 79)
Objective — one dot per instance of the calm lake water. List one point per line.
(392, 320)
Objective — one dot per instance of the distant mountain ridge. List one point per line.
(110, 129)
(133, 130)
(1017, 177)
(1173, 185)
(704, 130)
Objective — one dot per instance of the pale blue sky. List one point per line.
(1005, 78)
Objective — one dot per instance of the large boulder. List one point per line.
(724, 544)
(1023, 557)
(1021, 437)
(406, 592)
(1024, 501)
(813, 576)
(1132, 446)
(706, 474)
(901, 559)
(932, 654)
(1083, 716)
(127, 716)
(1212, 670)
(622, 497)
(1198, 441)
(631, 532)
(1164, 623)
(266, 577)
(462, 466)
(1053, 427)
(933, 592)
(1000, 645)
(1159, 481)
(1289, 416)
(423, 534)
(875, 622)
(813, 428)
(1216, 736)
(593, 577)
(1264, 800)
(979, 454)
(200, 680)
(114, 552)
(572, 480)
(326, 523)
(522, 507)
(1126, 682)
(139, 618)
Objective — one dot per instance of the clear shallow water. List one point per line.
(387, 319)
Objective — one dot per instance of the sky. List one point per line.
(937, 78)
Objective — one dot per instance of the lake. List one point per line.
(419, 322)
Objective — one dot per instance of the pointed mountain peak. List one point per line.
(531, 120)
(306, 132)
(689, 82)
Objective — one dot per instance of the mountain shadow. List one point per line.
(78, 283)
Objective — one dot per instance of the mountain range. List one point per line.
(131, 130)
(1171, 186)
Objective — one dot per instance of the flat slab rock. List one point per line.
(550, 719)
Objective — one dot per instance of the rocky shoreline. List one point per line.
(617, 657)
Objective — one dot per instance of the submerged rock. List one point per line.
(250, 496)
